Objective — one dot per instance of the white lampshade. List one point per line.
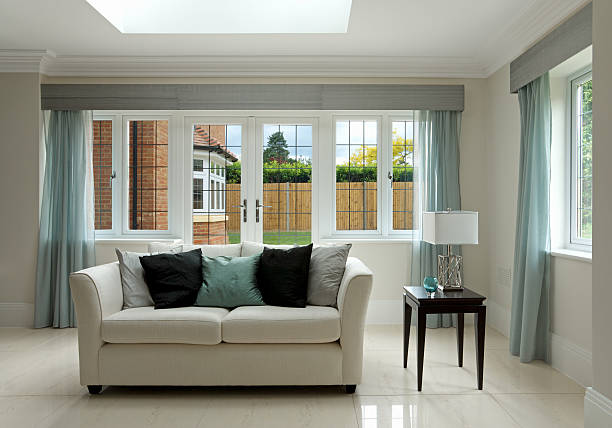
(450, 227)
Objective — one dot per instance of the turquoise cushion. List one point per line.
(229, 282)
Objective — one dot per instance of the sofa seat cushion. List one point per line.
(190, 325)
(276, 324)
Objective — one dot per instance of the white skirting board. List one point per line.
(597, 410)
(571, 360)
(16, 315)
(567, 357)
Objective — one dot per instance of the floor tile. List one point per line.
(431, 411)
(544, 410)
(39, 387)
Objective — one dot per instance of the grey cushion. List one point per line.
(326, 271)
(135, 291)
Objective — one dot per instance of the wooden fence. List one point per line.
(288, 206)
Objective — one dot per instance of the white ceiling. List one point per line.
(385, 37)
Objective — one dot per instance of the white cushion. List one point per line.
(175, 246)
(276, 324)
(231, 250)
(191, 325)
(250, 248)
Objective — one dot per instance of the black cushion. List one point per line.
(283, 276)
(173, 279)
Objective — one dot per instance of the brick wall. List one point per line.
(210, 230)
(148, 175)
(102, 169)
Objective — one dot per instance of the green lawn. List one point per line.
(276, 238)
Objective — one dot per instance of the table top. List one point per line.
(465, 296)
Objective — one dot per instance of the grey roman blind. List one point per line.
(251, 97)
(562, 43)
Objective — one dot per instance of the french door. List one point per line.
(249, 179)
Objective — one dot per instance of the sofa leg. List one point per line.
(350, 389)
(94, 389)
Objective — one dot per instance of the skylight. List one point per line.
(225, 16)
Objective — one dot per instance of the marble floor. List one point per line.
(39, 387)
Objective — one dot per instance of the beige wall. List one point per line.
(502, 157)
(19, 193)
(602, 198)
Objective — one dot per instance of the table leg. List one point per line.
(460, 339)
(479, 330)
(421, 321)
(407, 317)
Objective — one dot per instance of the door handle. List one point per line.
(257, 207)
(243, 205)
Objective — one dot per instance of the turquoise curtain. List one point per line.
(531, 280)
(436, 184)
(66, 240)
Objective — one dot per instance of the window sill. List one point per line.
(564, 253)
(381, 240)
(133, 240)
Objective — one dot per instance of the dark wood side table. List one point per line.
(449, 302)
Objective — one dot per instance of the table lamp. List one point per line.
(450, 228)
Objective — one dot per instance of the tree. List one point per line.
(276, 149)
(402, 151)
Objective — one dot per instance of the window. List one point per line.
(148, 174)
(215, 147)
(373, 176)
(582, 159)
(272, 178)
(402, 145)
(131, 180)
(357, 175)
(287, 183)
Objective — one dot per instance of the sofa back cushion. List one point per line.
(283, 276)
(250, 248)
(135, 291)
(173, 279)
(327, 265)
(229, 282)
(230, 250)
(157, 247)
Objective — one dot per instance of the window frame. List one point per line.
(120, 191)
(289, 118)
(575, 80)
(180, 169)
(384, 155)
(380, 156)
(408, 117)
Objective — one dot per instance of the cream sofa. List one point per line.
(250, 345)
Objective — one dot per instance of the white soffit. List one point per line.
(226, 16)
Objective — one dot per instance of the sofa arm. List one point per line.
(96, 293)
(353, 298)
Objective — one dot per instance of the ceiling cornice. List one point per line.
(24, 61)
(275, 66)
(519, 34)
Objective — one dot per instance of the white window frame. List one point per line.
(384, 154)
(180, 170)
(574, 81)
(380, 156)
(188, 120)
(409, 117)
(291, 118)
(120, 191)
